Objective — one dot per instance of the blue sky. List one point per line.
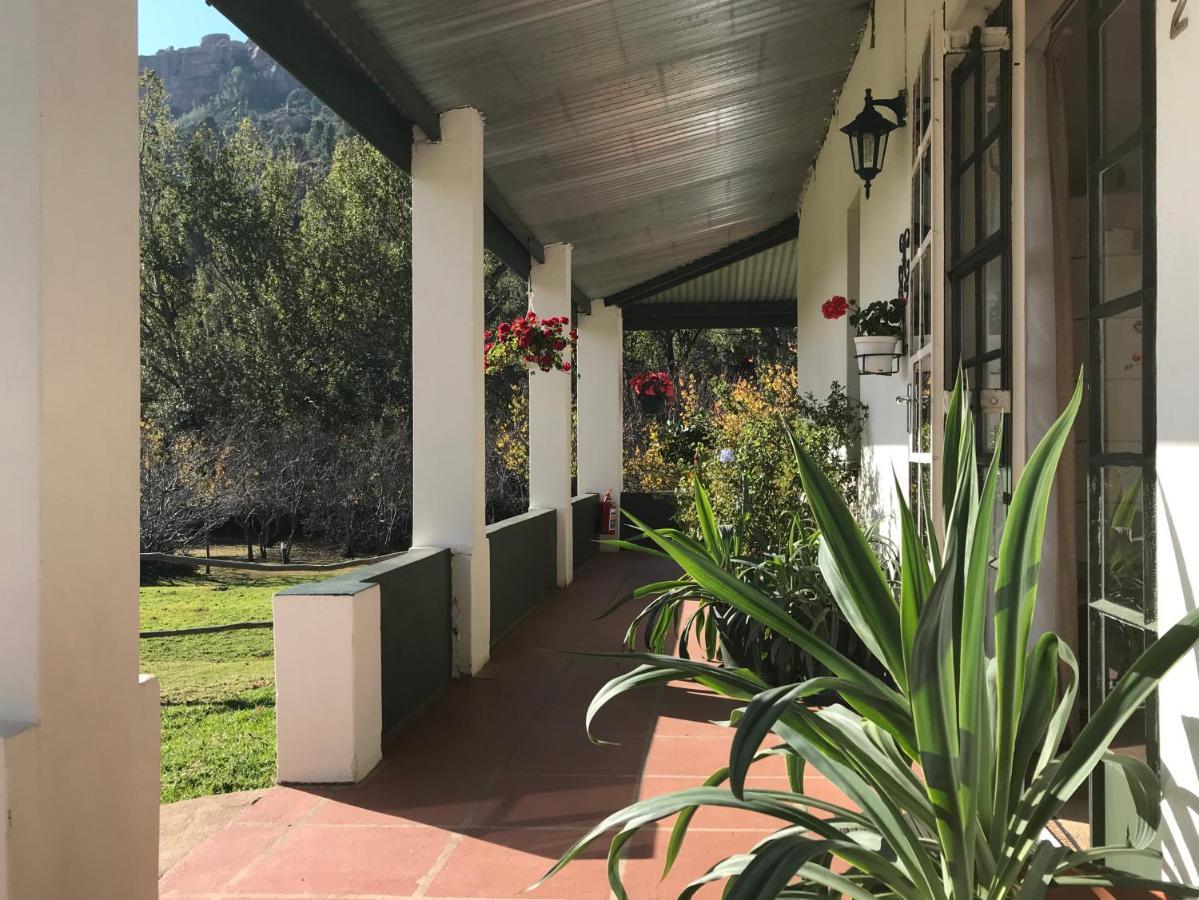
(177, 23)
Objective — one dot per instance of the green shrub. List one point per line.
(681, 612)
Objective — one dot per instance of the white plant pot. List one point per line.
(876, 355)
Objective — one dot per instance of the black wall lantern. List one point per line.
(868, 135)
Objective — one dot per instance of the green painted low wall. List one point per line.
(416, 631)
(585, 512)
(524, 551)
(655, 510)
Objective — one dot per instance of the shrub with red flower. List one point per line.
(528, 341)
(882, 318)
(652, 384)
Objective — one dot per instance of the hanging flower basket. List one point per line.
(652, 406)
(878, 344)
(877, 355)
(653, 391)
(529, 343)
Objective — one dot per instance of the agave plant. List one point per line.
(681, 612)
(955, 763)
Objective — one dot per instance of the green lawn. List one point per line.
(218, 690)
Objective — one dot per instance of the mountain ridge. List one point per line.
(222, 81)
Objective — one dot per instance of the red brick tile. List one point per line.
(279, 806)
(445, 799)
(701, 850)
(505, 863)
(546, 801)
(701, 757)
(628, 714)
(716, 817)
(568, 751)
(338, 861)
(211, 865)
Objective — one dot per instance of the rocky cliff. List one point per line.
(194, 75)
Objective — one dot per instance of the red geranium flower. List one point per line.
(834, 307)
(529, 341)
(652, 384)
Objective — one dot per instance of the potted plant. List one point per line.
(879, 328)
(952, 763)
(653, 390)
(531, 343)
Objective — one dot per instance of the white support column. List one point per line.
(447, 370)
(601, 401)
(550, 409)
(78, 727)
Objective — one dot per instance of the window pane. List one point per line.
(1122, 349)
(1120, 223)
(1122, 552)
(924, 411)
(915, 308)
(926, 89)
(926, 300)
(926, 197)
(991, 91)
(966, 210)
(916, 210)
(1120, 64)
(1122, 644)
(966, 125)
(993, 305)
(920, 495)
(992, 190)
(967, 302)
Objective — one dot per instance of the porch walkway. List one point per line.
(481, 790)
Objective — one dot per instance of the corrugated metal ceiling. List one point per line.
(769, 275)
(647, 133)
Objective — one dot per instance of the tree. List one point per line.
(350, 333)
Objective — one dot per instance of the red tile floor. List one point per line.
(482, 789)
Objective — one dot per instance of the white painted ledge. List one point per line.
(328, 677)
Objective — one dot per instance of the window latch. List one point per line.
(995, 401)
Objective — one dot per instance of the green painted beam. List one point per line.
(728, 314)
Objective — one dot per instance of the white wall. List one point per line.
(1178, 429)
(82, 775)
(825, 254)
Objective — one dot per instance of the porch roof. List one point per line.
(646, 133)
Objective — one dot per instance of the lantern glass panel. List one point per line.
(869, 149)
(881, 150)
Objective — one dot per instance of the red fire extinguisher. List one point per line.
(609, 516)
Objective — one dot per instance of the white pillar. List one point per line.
(550, 409)
(601, 401)
(447, 370)
(79, 732)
